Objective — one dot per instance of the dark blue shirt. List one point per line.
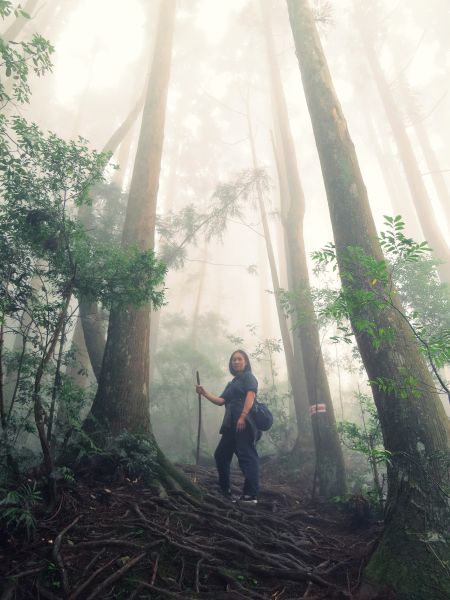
(234, 395)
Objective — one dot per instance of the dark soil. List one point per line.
(124, 541)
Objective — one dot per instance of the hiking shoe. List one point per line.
(246, 499)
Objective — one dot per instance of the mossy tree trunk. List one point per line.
(415, 545)
(329, 457)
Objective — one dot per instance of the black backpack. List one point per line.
(262, 416)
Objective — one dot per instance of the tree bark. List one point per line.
(330, 467)
(122, 399)
(415, 546)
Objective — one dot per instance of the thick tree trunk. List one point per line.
(329, 457)
(414, 547)
(416, 185)
(122, 399)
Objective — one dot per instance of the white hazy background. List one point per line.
(102, 55)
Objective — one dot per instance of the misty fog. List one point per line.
(219, 214)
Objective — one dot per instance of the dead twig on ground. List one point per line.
(58, 558)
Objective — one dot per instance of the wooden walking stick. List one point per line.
(197, 454)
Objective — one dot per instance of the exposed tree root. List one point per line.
(128, 541)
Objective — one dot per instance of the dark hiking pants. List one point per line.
(241, 443)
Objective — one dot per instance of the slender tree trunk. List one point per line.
(304, 425)
(19, 22)
(123, 160)
(329, 457)
(414, 547)
(416, 185)
(431, 159)
(78, 373)
(265, 301)
(195, 326)
(122, 399)
(38, 408)
(56, 388)
(400, 201)
(124, 128)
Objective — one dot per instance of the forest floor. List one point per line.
(123, 541)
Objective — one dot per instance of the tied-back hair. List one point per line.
(248, 366)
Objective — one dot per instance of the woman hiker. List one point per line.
(238, 430)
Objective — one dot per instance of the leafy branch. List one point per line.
(383, 278)
(177, 230)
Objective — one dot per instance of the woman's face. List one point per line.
(238, 362)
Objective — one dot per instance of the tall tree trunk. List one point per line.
(329, 457)
(416, 185)
(414, 547)
(304, 425)
(122, 399)
(297, 392)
